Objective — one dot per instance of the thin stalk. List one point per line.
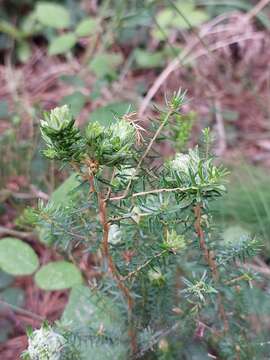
(110, 263)
(22, 311)
(157, 191)
(144, 265)
(164, 122)
(113, 270)
(209, 257)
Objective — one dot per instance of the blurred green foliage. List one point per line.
(67, 28)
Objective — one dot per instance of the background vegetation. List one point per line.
(115, 56)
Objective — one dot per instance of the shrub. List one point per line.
(161, 282)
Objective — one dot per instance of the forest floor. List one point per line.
(225, 69)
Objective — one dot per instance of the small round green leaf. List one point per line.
(17, 257)
(13, 296)
(233, 234)
(63, 194)
(146, 60)
(105, 64)
(23, 51)
(53, 15)
(86, 27)
(58, 275)
(5, 279)
(76, 101)
(61, 44)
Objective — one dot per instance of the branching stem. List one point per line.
(144, 265)
(109, 260)
(149, 147)
(210, 260)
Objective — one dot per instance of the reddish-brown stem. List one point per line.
(106, 253)
(109, 260)
(209, 257)
(112, 268)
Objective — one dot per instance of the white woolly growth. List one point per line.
(58, 118)
(124, 131)
(115, 235)
(181, 163)
(45, 344)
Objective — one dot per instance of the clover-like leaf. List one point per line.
(5, 279)
(52, 15)
(58, 275)
(96, 311)
(105, 64)
(17, 257)
(87, 26)
(13, 296)
(61, 44)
